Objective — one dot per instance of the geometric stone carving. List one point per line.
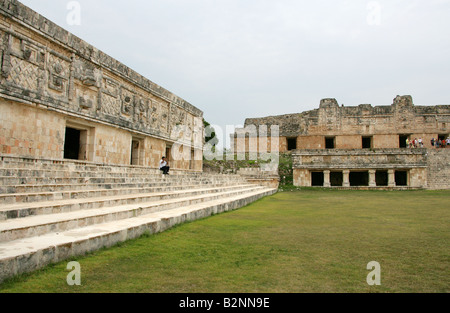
(110, 97)
(59, 70)
(24, 74)
(88, 75)
(128, 102)
(85, 103)
(141, 111)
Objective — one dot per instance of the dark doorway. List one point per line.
(192, 161)
(72, 144)
(330, 143)
(402, 141)
(367, 142)
(135, 151)
(336, 179)
(168, 154)
(317, 179)
(359, 178)
(292, 144)
(381, 178)
(401, 178)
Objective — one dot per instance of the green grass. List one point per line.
(294, 241)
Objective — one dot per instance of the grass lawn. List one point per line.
(294, 241)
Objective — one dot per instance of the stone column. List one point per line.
(346, 178)
(391, 178)
(372, 178)
(326, 179)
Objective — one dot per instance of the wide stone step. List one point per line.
(53, 173)
(12, 198)
(15, 181)
(36, 172)
(21, 210)
(26, 255)
(39, 225)
(7, 162)
(27, 188)
(77, 172)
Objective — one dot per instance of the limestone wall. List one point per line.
(439, 168)
(29, 131)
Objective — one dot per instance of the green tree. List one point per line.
(210, 134)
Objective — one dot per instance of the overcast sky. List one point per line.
(235, 59)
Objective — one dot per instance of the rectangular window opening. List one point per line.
(401, 178)
(292, 144)
(402, 140)
(367, 142)
(336, 179)
(359, 179)
(317, 179)
(382, 178)
(330, 142)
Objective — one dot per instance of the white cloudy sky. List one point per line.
(235, 59)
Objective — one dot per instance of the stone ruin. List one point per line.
(361, 146)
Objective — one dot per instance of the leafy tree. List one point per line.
(210, 134)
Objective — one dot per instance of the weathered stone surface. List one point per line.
(348, 125)
(66, 209)
(338, 146)
(50, 80)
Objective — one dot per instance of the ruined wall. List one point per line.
(349, 124)
(59, 77)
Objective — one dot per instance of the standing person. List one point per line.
(420, 143)
(164, 166)
(432, 142)
(448, 142)
(408, 144)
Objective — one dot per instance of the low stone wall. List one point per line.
(263, 178)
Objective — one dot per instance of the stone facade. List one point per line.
(341, 127)
(58, 93)
(370, 168)
(363, 146)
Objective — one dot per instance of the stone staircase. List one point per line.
(55, 210)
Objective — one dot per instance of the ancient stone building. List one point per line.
(81, 136)
(61, 98)
(340, 146)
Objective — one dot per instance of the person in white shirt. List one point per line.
(164, 166)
